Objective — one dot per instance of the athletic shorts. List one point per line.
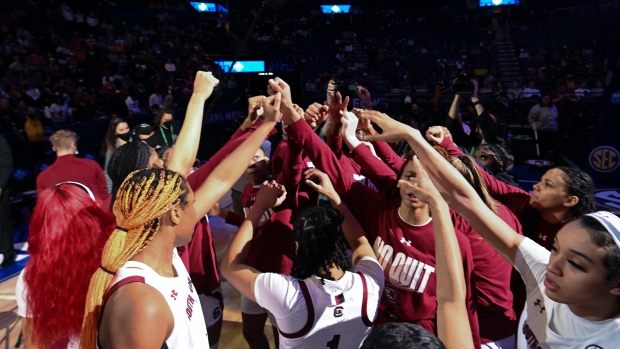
(506, 343)
(252, 308)
(212, 306)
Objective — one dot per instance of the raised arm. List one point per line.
(233, 267)
(372, 167)
(352, 229)
(384, 151)
(318, 152)
(229, 171)
(452, 317)
(453, 187)
(186, 147)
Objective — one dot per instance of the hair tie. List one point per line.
(118, 227)
(106, 270)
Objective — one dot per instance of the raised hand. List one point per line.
(254, 105)
(316, 114)
(279, 85)
(393, 131)
(338, 105)
(475, 93)
(435, 134)
(364, 96)
(349, 126)
(270, 194)
(421, 186)
(271, 106)
(320, 182)
(204, 83)
(446, 133)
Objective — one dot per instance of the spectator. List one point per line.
(155, 100)
(7, 253)
(544, 120)
(515, 90)
(144, 131)
(68, 167)
(165, 134)
(132, 104)
(531, 91)
(582, 91)
(597, 90)
(117, 135)
(92, 20)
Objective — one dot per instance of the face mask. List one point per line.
(167, 124)
(124, 136)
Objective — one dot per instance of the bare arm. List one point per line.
(135, 316)
(352, 229)
(229, 170)
(453, 188)
(234, 269)
(454, 108)
(186, 147)
(452, 318)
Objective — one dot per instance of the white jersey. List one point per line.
(546, 324)
(189, 329)
(338, 314)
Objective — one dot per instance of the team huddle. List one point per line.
(341, 242)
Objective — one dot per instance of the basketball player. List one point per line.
(156, 212)
(322, 303)
(573, 292)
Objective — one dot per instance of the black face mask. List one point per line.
(167, 124)
(124, 136)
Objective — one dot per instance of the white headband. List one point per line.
(610, 221)
(90, 193)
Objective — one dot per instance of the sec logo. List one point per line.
(604, 159)
(608, 198)
(594, 346)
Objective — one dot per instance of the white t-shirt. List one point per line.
(337, 306)
(546, 324)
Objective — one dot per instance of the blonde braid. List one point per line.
(138, 209)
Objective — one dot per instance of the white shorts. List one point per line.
(252, 308)
(506, 343)
(212, 306)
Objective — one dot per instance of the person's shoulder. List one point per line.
(137, 301)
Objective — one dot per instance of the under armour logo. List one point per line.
(542, 237)
(405, 241)
(538, 304)
(174, 294)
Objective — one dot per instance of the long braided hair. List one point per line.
(319, 242)
(127, 158)
(141, 201)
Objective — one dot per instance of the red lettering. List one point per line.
(190, 307)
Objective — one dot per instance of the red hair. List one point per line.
(67, 234)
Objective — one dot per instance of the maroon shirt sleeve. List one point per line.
(514, 198)
(321, 156)
(374, 169)
(389, 157)
(452, 149)
(335, 144)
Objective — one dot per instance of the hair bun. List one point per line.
(334, 218)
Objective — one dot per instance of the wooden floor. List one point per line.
(10, 324)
